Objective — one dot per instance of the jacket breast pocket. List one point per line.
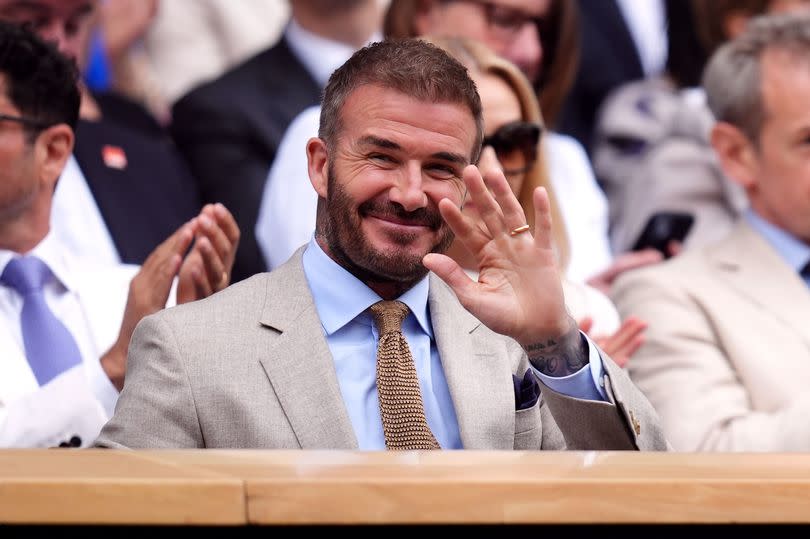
(528, 427)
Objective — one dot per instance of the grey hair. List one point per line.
(411, 66)
(733, 76)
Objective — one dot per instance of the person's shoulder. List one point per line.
(252, 75)
(685, 271)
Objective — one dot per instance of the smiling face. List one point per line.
(394, 159)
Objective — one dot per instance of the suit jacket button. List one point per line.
(75, 441)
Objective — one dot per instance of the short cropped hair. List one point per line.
(411, 66)
(733, 78)
(40, 82)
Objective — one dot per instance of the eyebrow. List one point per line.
(371, 140)
(35, 6)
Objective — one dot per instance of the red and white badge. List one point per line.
(114, 157)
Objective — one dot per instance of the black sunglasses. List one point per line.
(27, 122)
(515, 136)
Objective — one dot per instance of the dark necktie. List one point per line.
(401, 406)
(49, 346)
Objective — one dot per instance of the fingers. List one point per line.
(624, 262)
(626, 341)
(219, 226)
(451, 273)
(211, 266)
(488, 208)
(542, 219)
(164, 262)
(465, 230)
(510, 207)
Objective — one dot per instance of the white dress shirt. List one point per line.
(287, 211)
(583, 206)
(76, 220)
(320, 56)
(90, 300)
(647, 22)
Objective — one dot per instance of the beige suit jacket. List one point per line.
(250, 367)
(727, 359)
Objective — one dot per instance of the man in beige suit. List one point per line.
(727, 358)
(287, 359)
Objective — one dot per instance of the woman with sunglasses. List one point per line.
(513, 132)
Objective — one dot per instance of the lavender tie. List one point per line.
(49, 346)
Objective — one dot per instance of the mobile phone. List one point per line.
(662, 228)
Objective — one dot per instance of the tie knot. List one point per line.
(26, 274)
(388, 315)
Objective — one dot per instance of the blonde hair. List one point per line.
(478, 58)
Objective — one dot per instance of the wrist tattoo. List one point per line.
(559, 357)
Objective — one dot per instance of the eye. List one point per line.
(72, 27)
(382, 158)
(442, 171)
(38, 23)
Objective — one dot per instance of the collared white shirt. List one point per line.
(76, 220)
(90, 301)
(647, 22)
(320, 56)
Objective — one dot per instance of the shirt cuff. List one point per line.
(102, 388)
(587, 383)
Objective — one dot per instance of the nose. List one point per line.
(488, 161)
(526, 51)
(54, 32)
(408, 191)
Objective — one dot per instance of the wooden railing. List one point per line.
(236, 487)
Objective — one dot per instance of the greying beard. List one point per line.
(372, 269)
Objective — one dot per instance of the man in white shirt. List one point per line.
(58, 387)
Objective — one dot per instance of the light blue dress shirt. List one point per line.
(794, 252)
(342, 302)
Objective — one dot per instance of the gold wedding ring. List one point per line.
(519, 230)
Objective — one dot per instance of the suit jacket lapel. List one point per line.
(480, 384)
(299, 364)
(757, 271)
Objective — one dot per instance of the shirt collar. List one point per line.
(319, 55)
(340, 297)
(49, 251)
(790, 248)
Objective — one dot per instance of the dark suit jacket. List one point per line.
(608, 58)
(229, 130)
(143, 203)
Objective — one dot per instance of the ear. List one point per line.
(422, 19)
(318, 165)
(738, 155)
(53, 148)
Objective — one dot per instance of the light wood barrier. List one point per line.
(338, 487)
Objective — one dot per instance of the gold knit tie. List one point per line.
(401, 406)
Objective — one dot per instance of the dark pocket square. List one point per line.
(527, 390)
